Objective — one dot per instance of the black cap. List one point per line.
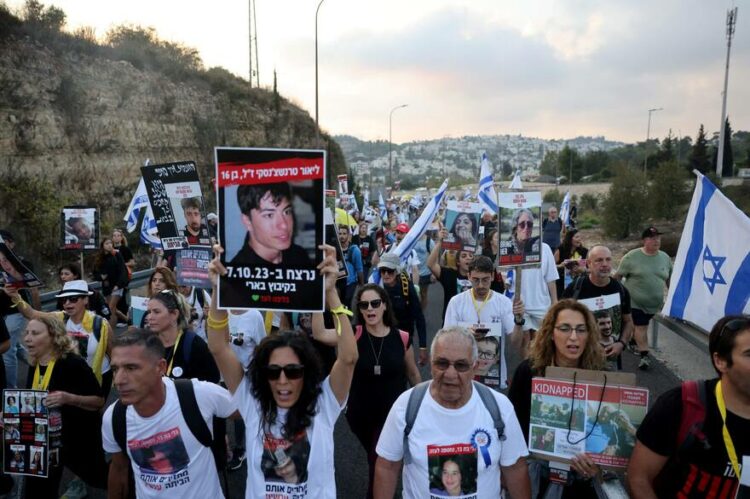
(7, 236)
(651, 232)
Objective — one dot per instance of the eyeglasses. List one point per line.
(385, 270)
(568, 329)
(525, 225)
(291, 371)
(364, 304)
(443, 364)
(486, 355)
(71, 299)
(477, 281)
(735, 325)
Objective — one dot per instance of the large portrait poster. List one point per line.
(453, 470)
(271, 224)
(601, 425)
(25, 433)
(490, 351)
(80, 228)
(462, 221)
(13, 271)
(520, 229)
(174, 192)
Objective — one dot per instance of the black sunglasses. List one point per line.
(364, 304)
(386, 270)
(735, 325)
(292, 371)
(443, 364)
(71, 299)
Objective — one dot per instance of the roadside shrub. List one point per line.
(553, 196)
(669, 191)
(626, 203)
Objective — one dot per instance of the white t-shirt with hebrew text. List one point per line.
(466, 436)
(281, 469)
(167, 460)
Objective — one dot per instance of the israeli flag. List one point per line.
(383, 210)
(420, 226)
(565, 210)
(139, 201)
(486, 192)
(516, 182)
(148, 230)
(711, 277)
(366, 200)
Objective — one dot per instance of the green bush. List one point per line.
(626, 203)
(588, 202)
(553, 196)
(669, 191)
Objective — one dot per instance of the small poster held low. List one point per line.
(271, 214)
(520, 229)
(462, 222)
(80, 228)
(13, 271)
(25, 432)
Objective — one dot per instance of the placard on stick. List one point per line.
(520, 229)
(79, 229)
(271, 225)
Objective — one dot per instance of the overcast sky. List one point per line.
(551, 69)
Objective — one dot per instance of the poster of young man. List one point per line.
(271, 213)
(343, 181)
(80, 228)
(520, 229)
(462, 222)
(174, 192)
(13, 271)
(25, 433)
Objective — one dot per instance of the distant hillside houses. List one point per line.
(459, 157)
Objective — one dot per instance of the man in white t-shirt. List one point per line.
(485, 312)
(538, 293)
(453, 446)
(168, 460)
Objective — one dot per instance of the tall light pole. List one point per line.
(648, 135)
(253, 31)
(317, 125)
(731, 20)
(390, 144)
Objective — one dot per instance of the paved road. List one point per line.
(350, 458)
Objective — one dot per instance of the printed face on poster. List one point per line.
(25, 432)
(452, 470)
(570, 418)
(462, 223)
(177, 203)
(489, 352)
(13, 271)
(271, 217)
(80, 228)
(520, 229)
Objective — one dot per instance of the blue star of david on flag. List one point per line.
(716, 262)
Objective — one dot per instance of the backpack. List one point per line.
(405, 286)
(693, 416)
(404, 336)
(190, 411)
(415, 401)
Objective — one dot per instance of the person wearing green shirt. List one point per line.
(645, 272)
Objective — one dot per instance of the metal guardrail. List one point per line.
(140, 278)
(689, 332)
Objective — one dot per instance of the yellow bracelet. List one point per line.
(340, 310)
(20, 304)
(214, 324)
(214, 319)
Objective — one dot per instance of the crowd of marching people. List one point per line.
(187, 371)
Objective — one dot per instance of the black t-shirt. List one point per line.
(366, 247)
(589, 291)
(4, 336)
(371, 395)
(125, 253)
(200, 365)
(453, 283)
(697, 471)
(519, 394)
(408, 311)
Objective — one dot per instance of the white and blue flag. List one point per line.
(148, 226)
(486, 192)
(366, 200)
(565, 210)
(467, 194)
(516, 182)
(711, 277)
(383, 210)
(420, 226)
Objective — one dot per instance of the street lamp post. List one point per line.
(648, 135)
(317, 125)
(390, 144)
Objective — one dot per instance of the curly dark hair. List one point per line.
(301, 413)
(389, 319)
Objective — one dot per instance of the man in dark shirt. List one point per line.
(665, 463)
(551, 229)
(599, 291)
(196, 231)
(454, 281)
(366, 244)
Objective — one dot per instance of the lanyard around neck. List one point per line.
(731, 452)
(478, 309)
(174, 352)
(44, 383)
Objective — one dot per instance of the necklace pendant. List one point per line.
(377, 370)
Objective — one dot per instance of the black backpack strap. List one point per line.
(97, 327)
(577, 285)
(119, 426)
(490, 403)
(191, 412)
(412, 408)
(187, 346)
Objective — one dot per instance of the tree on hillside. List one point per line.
(507, 169)
(596, 163)
(727, 169)
(666, 153)
(699, 158)
(569, 159)
(669, 191)
(548, 165)
(626, 203)
(36, 14)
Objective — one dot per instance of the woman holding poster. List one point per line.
(285, 400)
(568, 337)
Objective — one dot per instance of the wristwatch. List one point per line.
(519, 323)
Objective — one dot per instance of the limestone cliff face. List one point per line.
(89, 122)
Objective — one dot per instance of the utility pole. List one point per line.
(390, 143)
(252, 26)
(648, 135)
(731, 21)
